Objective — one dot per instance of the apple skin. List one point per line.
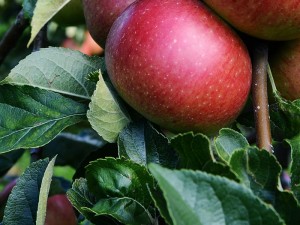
(60, 211)
(101, 14)
(284, 62)
(178, 65)
(265, 19)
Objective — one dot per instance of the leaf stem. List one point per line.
(12, 36)
(260, 97)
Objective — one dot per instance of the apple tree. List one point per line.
(188, 113)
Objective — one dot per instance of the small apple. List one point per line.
(178, 65)
(100, 15)
(60, 211)
(265, 19)
(284, 61)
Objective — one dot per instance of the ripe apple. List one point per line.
(60, 211)
(178, 65)
(100, 15)
(265, 19)
(284, 61)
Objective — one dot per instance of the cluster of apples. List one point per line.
(181, 64)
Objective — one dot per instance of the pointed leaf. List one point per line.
(23, 201)
(141, 143)
(44, 191)
(43, 12)
(31, 117)
(57, 69)
(228, 141)
(210, 199)
(105, 114)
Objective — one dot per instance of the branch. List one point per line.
(12, 36)
(40, 39)
(260, 97)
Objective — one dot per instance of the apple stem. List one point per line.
(260, 97)
(12, 36)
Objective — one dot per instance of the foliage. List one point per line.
(127, 170)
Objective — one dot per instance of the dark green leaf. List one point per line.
(161, 204)
(295, 165)
(23, 201)
(31, 117)
(141, 143)
(257, 169)
(81, 145)
(83, 200)
(126, 210)
(194, 150)
(195, 153)
(228, 141)
(7, 160)
(119, 178)
(288, 208)
(195, 197)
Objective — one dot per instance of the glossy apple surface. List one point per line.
(265, 19)
(179, 65)
(285, 66)
(60, 211)
(100, 15)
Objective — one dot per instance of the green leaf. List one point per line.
(105, 114)
(82, 144)
(161, 204)
(23, 201)
(80, 196)
(228, 141)
(194, 150)
(288, 208)
(195, 197)
(141, 143)
(43, 12)
(83, 200)
(285, 114)
(28, 7)
(295, 165)
(56, 69)
(119, 178)
(126, 210)
(8, 159)
(31, 117)
(195, 153)
(258, 170)
(44, 191)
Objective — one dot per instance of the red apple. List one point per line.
(60, 211)
(179, 65)
(284, 62)
(100, 15)
(265, 19)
